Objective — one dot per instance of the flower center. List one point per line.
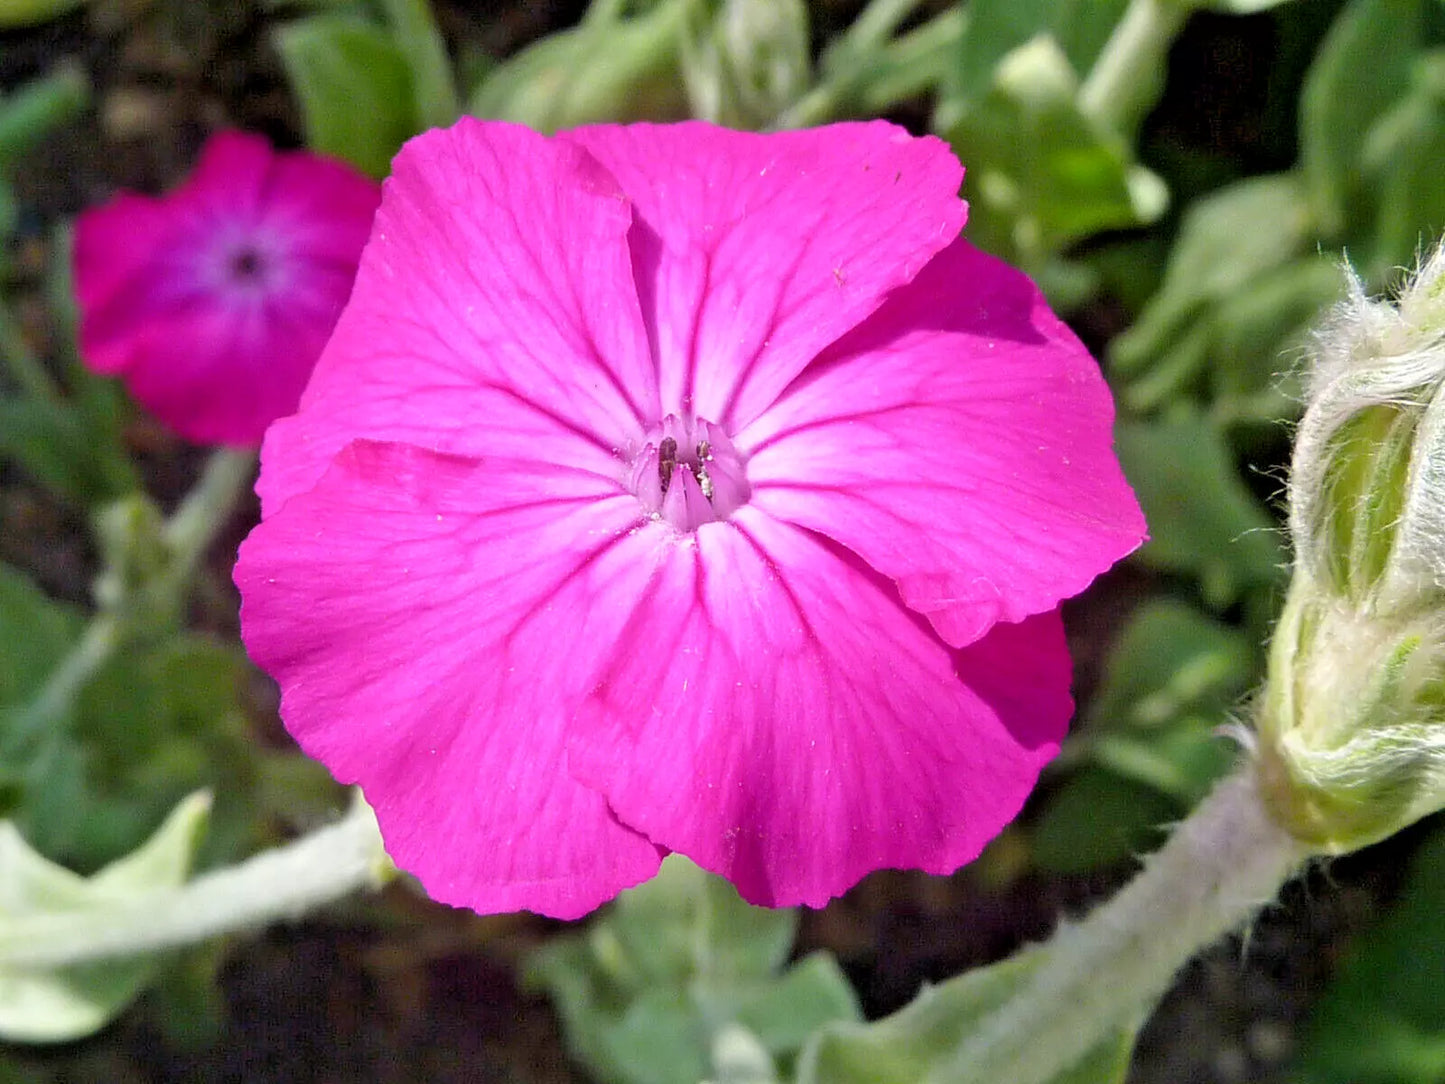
(246, 263)
(689, 473)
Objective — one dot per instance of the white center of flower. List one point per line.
(689, 473)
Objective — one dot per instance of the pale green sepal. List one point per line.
(1352, 722)
(919, 1043)
(73, 1002)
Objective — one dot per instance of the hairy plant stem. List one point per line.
(188, 532)
(194, 525)
(1128, 75)
(1222, 864)
(281, 883)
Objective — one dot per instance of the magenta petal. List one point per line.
(498, 281)
(959, 441)
(212, 303)
(755, 252)
(773, 713)
(419, 611)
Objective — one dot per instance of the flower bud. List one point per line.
(1367, 496)
(1352, 725)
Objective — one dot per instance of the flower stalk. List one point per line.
(1223, 863)
(278, 884)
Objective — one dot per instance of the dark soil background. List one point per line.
(396, 989)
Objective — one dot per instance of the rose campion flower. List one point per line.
(670, 488)
(213, 302)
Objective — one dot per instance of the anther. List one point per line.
(666, 461)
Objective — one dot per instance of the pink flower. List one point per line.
(680, 489)
(212, 303)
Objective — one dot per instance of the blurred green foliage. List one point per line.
(1216, 270)
(920, 1041)
(1382, 1019)
(57, 1006)
(648, 990)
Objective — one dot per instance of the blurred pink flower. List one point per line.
(680, 489)
(213, 302)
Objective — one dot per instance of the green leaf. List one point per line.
(1241, 7)
(72, 1002)
(1149, 741)
(1097, 819)
(354, 86)
(1253, 332)
(153, 724)
(36, 632)
(648, 989)
(58, 446)
(35, 110)
(1202, 520)
(1381, 1020)
(1361, 68)
(920, 1040)
(1225, 243)
(14, 13)
(1041, 174)
(998, 27)
(420, 43)
(602, 70)
(1402, 161)
(1168, 662)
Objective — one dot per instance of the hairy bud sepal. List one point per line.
(1352, 723)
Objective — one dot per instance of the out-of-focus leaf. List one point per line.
(434, 90)
(1241, 7)
(152, 725)
(747, 62)
(35, 631)
(1170, 661)
(72, 1002)
(1361, 68)
(1226, 242)
(1202, 520)
(1403, 157)
(1149, 739)
(54, 443)
(646, 991)
(354, 87)
(1096, 819)
(601, 70)
(998, 27)
(35, 110)
(1253, 332)
(918, 1041)
(1043, 175)
(1381, 1020)
(14, 13)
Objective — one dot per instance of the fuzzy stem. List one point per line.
(195, 524)
(1223, 863)
(48, 707)
(281, 883)
(1126, 78)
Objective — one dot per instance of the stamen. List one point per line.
(666, 461)
(689, 474)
